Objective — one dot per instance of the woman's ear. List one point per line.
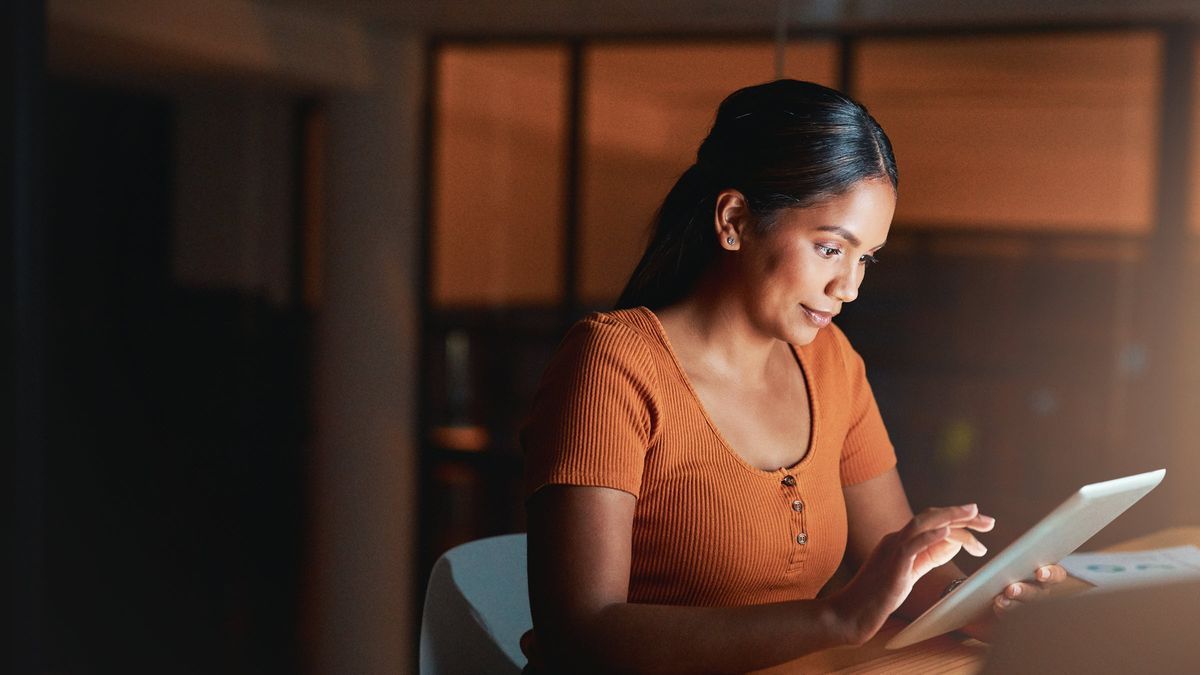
(730, 219)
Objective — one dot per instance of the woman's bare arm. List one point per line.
(579, 561)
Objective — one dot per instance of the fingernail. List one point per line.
(1004, 602)
(1014, 590)
(1043, 574)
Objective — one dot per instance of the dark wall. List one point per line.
(178, 421)
(22, 326)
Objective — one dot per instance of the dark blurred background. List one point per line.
(283, 276)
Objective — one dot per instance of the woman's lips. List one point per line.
(818, 318)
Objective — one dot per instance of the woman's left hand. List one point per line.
(1015, 595)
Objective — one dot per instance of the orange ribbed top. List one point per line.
(615, 409)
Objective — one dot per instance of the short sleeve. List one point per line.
(867, 451)
(594, 414)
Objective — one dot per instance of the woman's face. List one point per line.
(812, 261)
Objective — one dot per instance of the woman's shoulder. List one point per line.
(623, 340)
(634, 323)
(632, 330)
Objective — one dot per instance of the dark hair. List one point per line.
(783, 144)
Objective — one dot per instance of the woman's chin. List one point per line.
(803, 335)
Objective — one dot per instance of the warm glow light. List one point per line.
(1026, 132)
(498, 175)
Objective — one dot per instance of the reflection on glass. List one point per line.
(458, 375)
(460, 431)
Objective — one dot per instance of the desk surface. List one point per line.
(951, 653)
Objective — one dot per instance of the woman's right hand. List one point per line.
(931, 539)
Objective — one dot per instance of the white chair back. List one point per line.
(476, 608)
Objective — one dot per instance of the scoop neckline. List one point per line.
(813, 406)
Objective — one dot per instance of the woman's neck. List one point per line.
(711, 329)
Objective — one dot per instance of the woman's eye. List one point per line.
(827, 251)
(868, 259)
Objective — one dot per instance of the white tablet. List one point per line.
(1056, 536)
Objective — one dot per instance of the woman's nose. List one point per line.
(844, 287)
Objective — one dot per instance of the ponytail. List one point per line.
(681, 245)
(783, 144)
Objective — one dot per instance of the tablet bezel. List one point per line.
(1054, 537)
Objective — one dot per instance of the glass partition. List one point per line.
(1194, 201)
(1025, 132)
(646, 109)
(498, 165)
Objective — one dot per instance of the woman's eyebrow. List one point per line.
(841, 232)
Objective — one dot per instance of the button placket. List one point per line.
(801, 521)
(794, 503)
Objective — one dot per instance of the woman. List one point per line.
(700, 459)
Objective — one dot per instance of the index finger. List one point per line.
(942, 516)
(981, 523)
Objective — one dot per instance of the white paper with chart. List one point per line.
(1109, 571)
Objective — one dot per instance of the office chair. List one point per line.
(476, 608)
